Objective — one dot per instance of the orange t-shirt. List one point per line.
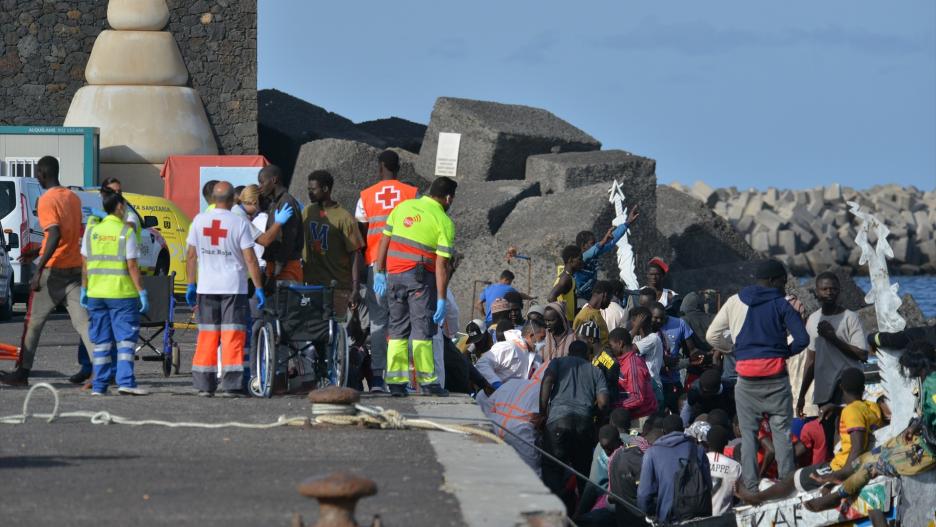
(60, 206)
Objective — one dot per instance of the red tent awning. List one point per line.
(181, 176)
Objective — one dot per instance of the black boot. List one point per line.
(17, 377)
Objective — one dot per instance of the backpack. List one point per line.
(692, 496)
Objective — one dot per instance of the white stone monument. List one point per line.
(625, 253)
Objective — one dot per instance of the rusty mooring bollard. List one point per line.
(337, 494)
(335, 395)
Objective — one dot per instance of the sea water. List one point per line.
(922, 287)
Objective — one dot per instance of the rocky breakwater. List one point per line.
(812, 230)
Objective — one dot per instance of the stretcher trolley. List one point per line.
(158, 322)
(298, 328)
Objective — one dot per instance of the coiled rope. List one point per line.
(322, 414)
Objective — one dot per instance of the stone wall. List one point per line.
(44, 47)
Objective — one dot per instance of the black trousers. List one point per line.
(572, 440)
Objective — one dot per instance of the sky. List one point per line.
(789, 94)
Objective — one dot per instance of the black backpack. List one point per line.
(692, 496)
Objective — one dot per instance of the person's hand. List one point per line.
(190, 295)
(488, 390)
(261, 298)
(144, 302)
(99, 213)
(697, 358)
(800, 407)
(538, 421)
(34, 281)
(380, 284)
(639, 321)
(28, 256)
(439, 315)
(632, 215)
(83, 298)
(283, 214)
(826, 330)
(608, 236)
(912, 430)
(826, 411)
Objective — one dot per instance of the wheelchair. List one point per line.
(158, 322)
(300, 324)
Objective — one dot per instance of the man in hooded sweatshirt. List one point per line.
(656, 492)
(758, 319)
(559, 333)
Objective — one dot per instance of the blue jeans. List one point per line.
(114, 329)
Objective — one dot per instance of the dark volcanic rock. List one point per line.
(496, 138)
(559, 172)
(396, 132)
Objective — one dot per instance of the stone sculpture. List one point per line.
(625, 253)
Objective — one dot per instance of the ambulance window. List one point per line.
(7, 198)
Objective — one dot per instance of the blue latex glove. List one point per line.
(496, 384)
(380, 284)
(144, 301)
(84, 298)
(190, 295)
(261, 298)
(439, 315)
(282, 216)
(98, 212)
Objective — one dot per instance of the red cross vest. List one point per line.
(379, 201)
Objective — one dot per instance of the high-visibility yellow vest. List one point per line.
(419, 230)
(569, 297)
(106, 245)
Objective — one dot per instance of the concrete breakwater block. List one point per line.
(496, 138)
(561, 172)
(481, 208)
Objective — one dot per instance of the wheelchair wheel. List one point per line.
(338, 361)
(263, 361)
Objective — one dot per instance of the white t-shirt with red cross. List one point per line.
(220, 237)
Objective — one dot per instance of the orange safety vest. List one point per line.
(379, 201)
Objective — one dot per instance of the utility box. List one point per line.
(76, 149)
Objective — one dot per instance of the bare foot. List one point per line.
(745, 495)
(829, 501)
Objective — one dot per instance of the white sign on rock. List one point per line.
(447, 154)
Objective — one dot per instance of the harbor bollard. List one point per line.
(337, 495)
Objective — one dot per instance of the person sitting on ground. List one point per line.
(656, 272)
(496, 290)
(675, 480)
(837, 341)
(725, 471)
(624, 466)
(559, 331)
(478, 342)
(615, 316)
(911, 452)
(810, 446)
(586, 277)
(634, 383)
(590, 335)
(564, 288)
(649, 347)
(609, 440)
(706, 394)
(591, 312)
(571, 393)
(516, 357)
(678, 348)
(859, 419)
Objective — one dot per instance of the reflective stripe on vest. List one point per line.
(379, 201)
(106, 247)
(417, 225)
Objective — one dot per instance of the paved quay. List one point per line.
(73, 472)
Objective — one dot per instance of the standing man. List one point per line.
(586, 277)
(113, 295)
(284, 252)
(757, 320)
(411, 267)
(676, 337)
(333, 244)
(220, 254)
(373, 208)
(564, 287)
(591, 312)
(57, 277)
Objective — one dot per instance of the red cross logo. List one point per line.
(215, 233)
(388, 197)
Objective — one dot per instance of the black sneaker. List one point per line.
(398, 390)
(80, 377)
(435, 390)
(17, 377)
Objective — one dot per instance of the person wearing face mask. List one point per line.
(411, 268)
(559, 334)
(516, 357)
(571, 391)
